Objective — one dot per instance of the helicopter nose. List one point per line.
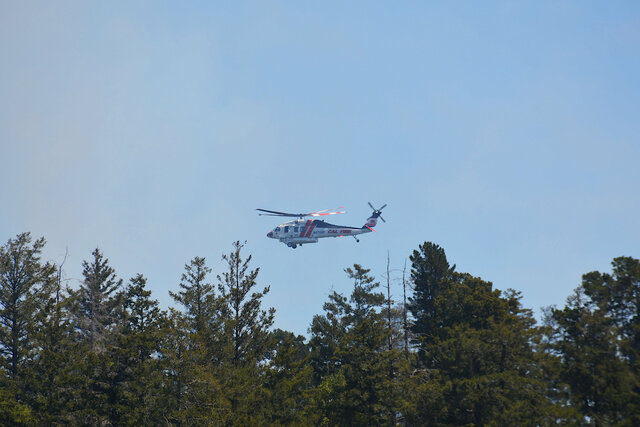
(270, 234)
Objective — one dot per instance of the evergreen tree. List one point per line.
(137, 373)
(430, 272)
(103, 355)
(246, 324)
(192, 392)
(97, 303)
(55, 378)
(618, 295)
(354, 366)
(13, 412)
(288, 380)
(327, 334)
(22, 279)
(477, 350)
(24, 283)
(191, 348)
(97, 312)
(246, 339)
(197, 296)
(596, 337)
(483, 357)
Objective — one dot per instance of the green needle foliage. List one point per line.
(597, 338)
(55, 381)
(97, 303)
(246, 340)
(476, 346)
(136, 372)
(105, 354)
(197, 296)
(25, 284)
(355, 370)
(189, 349)
(288, 380)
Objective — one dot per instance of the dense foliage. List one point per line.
(106, 354)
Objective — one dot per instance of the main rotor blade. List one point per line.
(276, 213)
(273, 212)
(300, 215)
(327, 210)
(325, 213)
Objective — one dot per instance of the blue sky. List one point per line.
(507, 132)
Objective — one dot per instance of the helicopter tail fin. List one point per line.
(373, 219)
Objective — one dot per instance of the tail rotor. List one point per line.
(376, 212)
(373, 219)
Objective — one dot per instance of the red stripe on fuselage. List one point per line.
(306, 227)
(311, 229)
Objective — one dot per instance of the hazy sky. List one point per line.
(507, 132)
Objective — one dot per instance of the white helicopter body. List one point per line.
(302, 231)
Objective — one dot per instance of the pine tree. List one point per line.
(22, 279)
(354, 366)
(596, 337)
(288, 380)
(246, 338)
(246, 324)
(477, 350)
(192, 394)
(197, 296)
(97, 303)
(190, 350)
(24, 283)
(173, 351)
(327, 334)
(13, 412)
(430, 272)
(97, 312)
(55, 379)
(137, 373)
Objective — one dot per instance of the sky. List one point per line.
(504, 131)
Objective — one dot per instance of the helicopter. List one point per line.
(301, 230)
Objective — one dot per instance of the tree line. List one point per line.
(456, 352)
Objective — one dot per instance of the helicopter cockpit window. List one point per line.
(277, 228)
(286, 228)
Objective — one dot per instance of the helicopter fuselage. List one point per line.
(303, 231)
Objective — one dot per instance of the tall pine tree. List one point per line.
(97, 303)
(190, 350)
(137, 373)
(197, 296)
(288, 380)
(55, 379)
(24, 283)
(596, 336)
(97, 312)
(430, 272)
(354, 366)
(22, 279)
(246, 339)
(477, 349)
